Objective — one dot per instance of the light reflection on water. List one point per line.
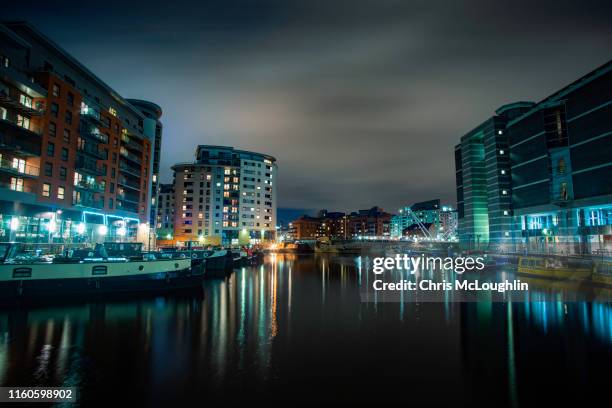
(291, 326)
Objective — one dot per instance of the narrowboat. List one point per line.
(602, 273)
(554, 268)
(91, 272)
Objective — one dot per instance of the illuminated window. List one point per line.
(504, 192)
(60, 193)
(25, 100)
(46, 191)
(561, 166)
(112, 111)
(19, 165)
(501, 152)
(505, 212)
(503, 172)
(23, 121)
(16, 184)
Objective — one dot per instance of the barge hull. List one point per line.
(92, 287)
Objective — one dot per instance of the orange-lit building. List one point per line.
(76, 159)
(374, 222)
(305, 227)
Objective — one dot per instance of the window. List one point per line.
(563, 191)
(70, 99)
(561, 166)
(504, 192)
(501, 152)
(48, 169)
(60, 193)
(50, 149)
(46, 190)
(505, 212)
(54, 109)
(52, 129)
(503, 172)
(68, 117)
(112, 187)
(56, 90)
(64, 154)
(112, 111)
(63, 173)
(16, 184)
(19, 165)
(67, 135)
(23, 121)
(110, 203)
(25, 100)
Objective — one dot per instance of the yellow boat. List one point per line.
(553, 268)
(603, 273)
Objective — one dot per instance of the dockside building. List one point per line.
(76, 158)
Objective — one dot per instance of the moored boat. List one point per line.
(602, 273)
(554, 268)
(90, 272)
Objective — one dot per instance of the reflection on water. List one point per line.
(295, 330)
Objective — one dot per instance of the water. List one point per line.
(295, 332)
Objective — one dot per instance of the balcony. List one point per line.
(126, 168)
(91, 115)
(21, 194)
(89, 202)
(88, 167)
(127, 206)
(19, 169)
(127, 198)
(122, 181)
(93, 134)
(22, 82)
(94, 187)
(131, 144)
(132, 157)
(19, 144)
(31, 129)
(92, 150)
(12, 102)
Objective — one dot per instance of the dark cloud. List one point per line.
(361, 102)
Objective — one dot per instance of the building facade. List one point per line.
(165, 213)
(75, 156)
(370, 223)
(439, 220)
(306, 228)
(226, 196)
(546, 173)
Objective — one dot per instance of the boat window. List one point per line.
(22, 273)
(3, 250)
(99, 270)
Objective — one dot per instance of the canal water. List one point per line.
(295, 331)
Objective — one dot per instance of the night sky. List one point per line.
(360, 102)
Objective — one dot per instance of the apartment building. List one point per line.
(75, 157)
(227, 196)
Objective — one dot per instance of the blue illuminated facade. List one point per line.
(547, 175)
